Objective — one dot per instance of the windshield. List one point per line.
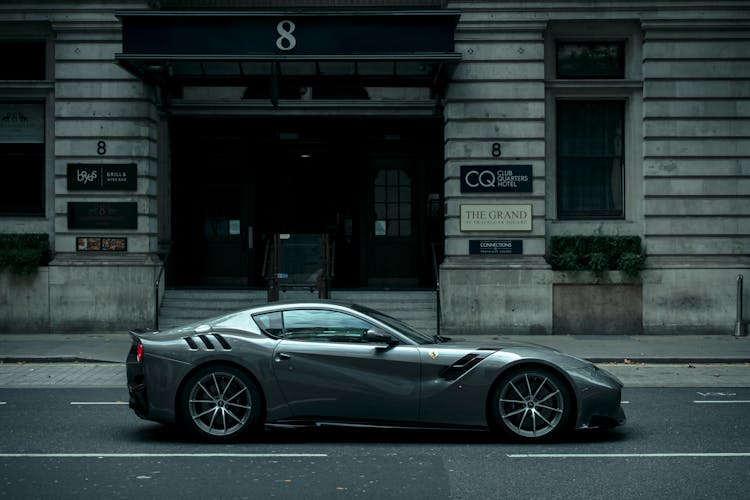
(398, 325)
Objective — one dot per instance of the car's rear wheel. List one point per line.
(220, 403)
(531, 404)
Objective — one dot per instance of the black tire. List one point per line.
(531, 405)
(220, 403)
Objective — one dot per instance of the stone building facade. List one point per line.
(543, 119)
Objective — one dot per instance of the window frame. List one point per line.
(28, 211)
(565, 41)
(628, 89)
(35, 91)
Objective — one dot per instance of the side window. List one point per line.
(270, 323)
(237, 321)
(316, 325)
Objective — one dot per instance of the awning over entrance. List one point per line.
(275, 54)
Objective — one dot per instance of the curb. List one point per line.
(54, 360)
(670, 361)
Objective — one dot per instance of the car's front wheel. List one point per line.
(531, 404)
(220, 403)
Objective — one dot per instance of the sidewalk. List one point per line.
(692, 349)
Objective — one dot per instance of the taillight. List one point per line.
(139, 352)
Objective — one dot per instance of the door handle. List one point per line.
(282, 356)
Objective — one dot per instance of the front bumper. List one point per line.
(600, 399)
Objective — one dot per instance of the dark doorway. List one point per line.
(372, 185)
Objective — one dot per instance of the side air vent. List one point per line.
(462, 366)
(224, 344)
(208, 342)
(209, 345)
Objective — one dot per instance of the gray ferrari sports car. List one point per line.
(324, 362)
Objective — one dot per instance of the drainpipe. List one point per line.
(739, 329)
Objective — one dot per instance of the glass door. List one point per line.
(392, 238)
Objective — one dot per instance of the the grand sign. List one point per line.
(496, 217)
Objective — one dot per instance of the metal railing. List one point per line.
(156, 291)
(436, 272)
(739, 329)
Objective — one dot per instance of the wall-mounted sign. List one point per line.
(243, 34)
(497, 179)
(102, 215)
(495, 247)
(83, 177)
(496, 217)
(95, 244)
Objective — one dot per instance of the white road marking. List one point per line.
(2, 402)
(736, 401)
(626, 455)
(163, 455)
(98, 403)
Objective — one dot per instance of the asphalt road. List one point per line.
(85, 443)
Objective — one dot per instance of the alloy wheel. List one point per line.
(532, 405)
(220, 403)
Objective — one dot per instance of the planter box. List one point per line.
(585, 304)
(24, 301)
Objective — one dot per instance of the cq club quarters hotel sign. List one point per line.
(496, 179)
(496, 217)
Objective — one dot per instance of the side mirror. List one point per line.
(376, 337)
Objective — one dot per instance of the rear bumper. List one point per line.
(136, 385)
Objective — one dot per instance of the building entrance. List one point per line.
(374, 186)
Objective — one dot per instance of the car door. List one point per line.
(327, 369)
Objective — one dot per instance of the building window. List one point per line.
(593, 124)
(590, 145)
(22, 158)
(22, 123)
(23, 60)
(590, 60)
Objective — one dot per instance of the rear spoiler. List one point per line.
(137, 333)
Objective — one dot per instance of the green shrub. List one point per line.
(598, 262)
(631, 263)
(24, 253)
(596, 253)
(569, 260)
